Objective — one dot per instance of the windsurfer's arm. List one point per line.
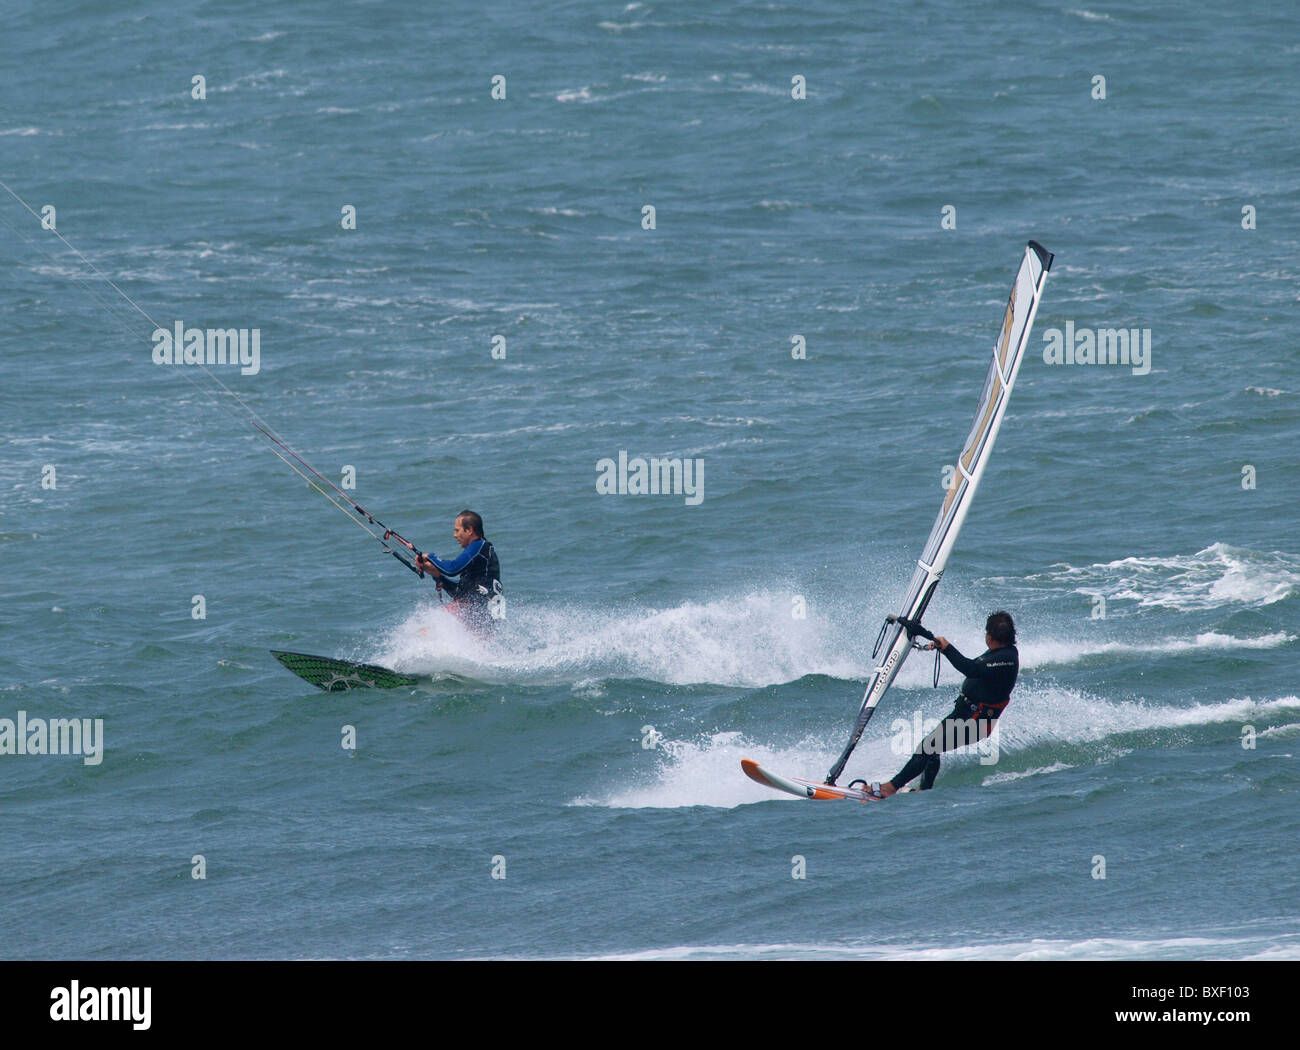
(964, 664)
(970, 668)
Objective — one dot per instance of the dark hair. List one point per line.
(473, 521)
(1001, 627)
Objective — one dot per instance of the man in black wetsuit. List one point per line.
(985, 694)
(473, 578)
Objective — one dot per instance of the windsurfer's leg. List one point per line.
(915, 765)
(929, 773)
(925, 766)
(924, 761)
(952, 733)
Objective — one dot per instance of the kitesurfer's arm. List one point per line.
(425, 564)
(445, 583)
(457, 565)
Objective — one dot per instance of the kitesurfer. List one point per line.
(472, 578)
(990, 677)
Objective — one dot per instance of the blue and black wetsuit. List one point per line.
(472, 578)
(990, 677)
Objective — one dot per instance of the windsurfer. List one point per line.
(990, 677)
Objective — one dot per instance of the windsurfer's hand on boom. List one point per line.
(940, 643)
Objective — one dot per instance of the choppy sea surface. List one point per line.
(573, 788)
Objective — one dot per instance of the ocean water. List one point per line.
(1139, 522)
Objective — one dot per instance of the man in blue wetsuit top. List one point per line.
(472, 578)
(990, 677)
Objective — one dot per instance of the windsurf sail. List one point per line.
(896, 636)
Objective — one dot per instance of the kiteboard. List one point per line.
(334, 676)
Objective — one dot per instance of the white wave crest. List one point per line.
(1217, 577)
(1039, 654)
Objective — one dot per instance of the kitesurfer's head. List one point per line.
(469, 527)
(1000, 630)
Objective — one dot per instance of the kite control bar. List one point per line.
(389, 534)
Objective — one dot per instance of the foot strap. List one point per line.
(871, 790)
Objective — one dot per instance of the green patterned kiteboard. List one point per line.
(334, 676)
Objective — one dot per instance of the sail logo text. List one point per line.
(75, 1003)
(209, 346)
(57, 736)
(652, 477)
(1098, 346)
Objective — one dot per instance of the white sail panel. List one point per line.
(1008, 352)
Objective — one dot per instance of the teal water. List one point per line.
(643, 620)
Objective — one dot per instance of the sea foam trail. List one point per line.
(706, 771)
(750, 641)
(1219, 576)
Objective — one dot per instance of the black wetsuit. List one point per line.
(477, 580)
(990, 677)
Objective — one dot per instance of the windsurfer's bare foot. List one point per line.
(875, 790)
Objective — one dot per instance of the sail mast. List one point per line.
(1008, 352)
